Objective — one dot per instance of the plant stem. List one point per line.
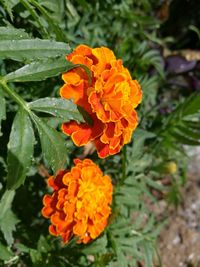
(20, 101)
(123, 164)
(55, 27)
(36, 17)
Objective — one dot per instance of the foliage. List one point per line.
(35, 37)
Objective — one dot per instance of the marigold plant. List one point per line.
(110, 99)
(80, 203)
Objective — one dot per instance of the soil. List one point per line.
(179, 241)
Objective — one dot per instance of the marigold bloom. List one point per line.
(80, 203)
(110, 100)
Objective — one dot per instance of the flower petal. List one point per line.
(80, 205)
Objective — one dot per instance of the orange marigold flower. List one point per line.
(80, 203)
(110, 100)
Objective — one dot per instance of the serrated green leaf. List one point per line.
(131, 251)
(8, 5)
(9, 33)
(6, 201)
(30, 49)
(22, 248)
(121, 259)
(60, 36)
(129, 190)
(5, 253)
(43, 69)
(42, 245)
(195, 29)
(2, 109)
(120, 223)
(139, 138)
(126, 200)
(53, 6)
(36, 17)
(149, 225)
(154, 184)
(156, 231)
(126, 241)
(188, 132)
(8, 225)
(153, 57)
(53, 144)
(97, 246)
(20, 149)
(148, 254)
(182, 110)
(40, 70)
(190, 106)
(143, 134)
(174, 195)
(192, 124)
(122, 231)
(36, 256)
(138, 222)
(8, 220)
(53, 122)
(61, 108)
(185, 140)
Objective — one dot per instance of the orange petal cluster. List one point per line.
(110, 99)
(80, 203)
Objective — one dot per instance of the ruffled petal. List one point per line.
(80, 205)
(110, 99)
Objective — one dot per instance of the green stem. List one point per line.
(123, 164)
(55, 27)
(36, 17)
(20, 101)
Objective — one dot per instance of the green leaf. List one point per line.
(185, 140)
(195, 29)
(36, 257)
(87, 70)
(139, 138)
(5, 253)
(36, 17)
(29, 49)
(61, 108)
(22, 248)
(153, 57)
(20, 149)
(43, 69)
(154, 184)
(8, 225)
(40, 70)
(149, 88)
(60, 36)
(43, 245)
(97, 246)
(85, 115)
(8, 5)
(8, 219)
(149, 225)
(6, 201)
(131, 249)
(191, 105)
(188, 132)
(9, 33)
(53, 144)
(121, 258)
(2, 109)
(148, 254)
(195, 125)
